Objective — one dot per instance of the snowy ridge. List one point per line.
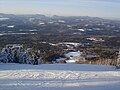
(45, 77)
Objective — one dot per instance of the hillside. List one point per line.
(58, 77)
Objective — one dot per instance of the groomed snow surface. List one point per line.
(58, 77)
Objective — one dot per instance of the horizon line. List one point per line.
(111, 18)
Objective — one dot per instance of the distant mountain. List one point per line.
(7, 15)
(41, 24)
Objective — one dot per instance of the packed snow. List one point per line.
(58, 77)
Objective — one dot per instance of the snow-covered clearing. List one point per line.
(58, 77)
(74, 56)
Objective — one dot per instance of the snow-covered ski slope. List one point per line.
(58, 77)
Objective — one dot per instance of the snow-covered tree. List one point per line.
(118, 59)
(33, 56)
(15, 54)
(3, 56)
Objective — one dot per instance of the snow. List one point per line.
(61, 21)
(70, 43)
(81, 30)
(69, 26)
(91, 56)
(43, 42)
(74, 56)
(89, 29)
(77, 33)
(12, 46)
(1, 34)
(96, 39)
(1, 19)
(11, 26)
(58, 77)
(17, 33)
(51, 22)
(60, 59)
(42, 23)
(33, 30)
(52, 44)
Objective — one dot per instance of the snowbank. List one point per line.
(58, 77)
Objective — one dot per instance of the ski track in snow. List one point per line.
(45, 77)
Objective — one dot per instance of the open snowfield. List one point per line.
(58, 77)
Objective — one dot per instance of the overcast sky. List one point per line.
(98, 8)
